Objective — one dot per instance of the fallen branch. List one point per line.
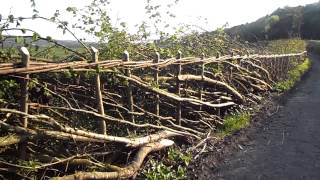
(84, 136)
(125, 172)
(105, 117)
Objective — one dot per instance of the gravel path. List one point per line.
(287, 146)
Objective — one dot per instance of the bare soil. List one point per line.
(282, 142)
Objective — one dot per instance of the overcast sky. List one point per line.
(217, 12)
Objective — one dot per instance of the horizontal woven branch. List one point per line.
(39, 67)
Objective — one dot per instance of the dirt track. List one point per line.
(285, 145)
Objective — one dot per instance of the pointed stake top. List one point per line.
(157, 54)
(202, 56)
(24, 51)
(126, 55)
(93, 49)
(179, 55)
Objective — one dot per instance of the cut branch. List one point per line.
(125, 172)
(172, 96)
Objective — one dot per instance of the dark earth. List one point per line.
(282, 143)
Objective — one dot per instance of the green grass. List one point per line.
(174, 166)
(286, 46)
(234, 122)
(53, 53)
(293, 76)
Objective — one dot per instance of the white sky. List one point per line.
(217, 12)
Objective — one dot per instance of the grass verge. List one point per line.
(294, 76)
(172, 166)
(233, 123)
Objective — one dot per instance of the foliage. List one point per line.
(287, 22)
(8, 90)
(160, 171)
(294, 76)
(31, 170)
(271, 22)
(114, 39)
(234, 122)
(286, 46)
(175, 155)
(311, 26)
(174, 168)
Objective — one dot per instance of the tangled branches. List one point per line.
(140, 104)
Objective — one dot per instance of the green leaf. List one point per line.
(19, 40)
(35, 36)
(49, 38)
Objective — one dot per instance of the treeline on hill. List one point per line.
(288, 22)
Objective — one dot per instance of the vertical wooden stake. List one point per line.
(280, 67)
(284, 66)
(276, 68)
(272, 68)
(129, 89)
(202, 83)
(156, 80)
(217, 57)
(102, 124)
(231, 71)
(25, 59)
(219, 109)
(178, 117)
(288, 64)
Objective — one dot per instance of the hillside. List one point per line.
(12, 42)
(287, 22)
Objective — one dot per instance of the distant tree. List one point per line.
(287, 22)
